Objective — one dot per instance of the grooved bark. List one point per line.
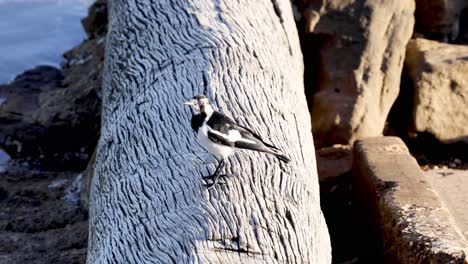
(148, 204)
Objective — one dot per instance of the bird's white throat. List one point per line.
(208, 110)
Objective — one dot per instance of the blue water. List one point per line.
(4, 158)
(34, 32)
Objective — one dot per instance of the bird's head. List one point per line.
(200, 104)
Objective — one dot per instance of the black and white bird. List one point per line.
(222, 137)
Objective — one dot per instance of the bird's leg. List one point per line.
(217, 170)
(215, 175)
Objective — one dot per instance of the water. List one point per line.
(34, 32)
(4, 159)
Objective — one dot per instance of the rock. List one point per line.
(439, 19)
(361, 59)
(95, 24)
(413, 223)
(19, 131)
(49, 118)
(37, 225)
(440, 83)
(52, 115)
(333, 161)
(88, 176)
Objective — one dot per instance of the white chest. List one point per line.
(220, 151)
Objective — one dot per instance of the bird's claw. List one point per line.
(214, 180)
(212, 184)
(212, 177)
(209, 185)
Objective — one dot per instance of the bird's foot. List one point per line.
(210, 185)
(213, 183)
(212, 177)
(214, 180)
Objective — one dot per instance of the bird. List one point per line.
(222, 137)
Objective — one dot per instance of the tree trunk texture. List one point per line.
(148, 204)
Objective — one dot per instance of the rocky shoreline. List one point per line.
(39, 223)
(50, 121)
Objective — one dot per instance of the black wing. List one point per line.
(220, 140)
(223, 124)
(259, 138)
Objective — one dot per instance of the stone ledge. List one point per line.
(405, 211)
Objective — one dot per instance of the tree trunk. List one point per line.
(148, 204)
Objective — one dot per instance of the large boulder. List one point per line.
(361, 58)
(439, 73)
(439, 19)
(19, 132)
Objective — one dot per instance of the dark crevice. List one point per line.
(278, 13)
(347, 221)
(233, 244)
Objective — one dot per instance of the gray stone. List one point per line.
(414, 225)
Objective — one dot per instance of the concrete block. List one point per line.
(403, 208)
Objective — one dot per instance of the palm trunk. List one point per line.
(148, 204)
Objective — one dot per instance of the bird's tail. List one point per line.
(283, 158)
(277, 152)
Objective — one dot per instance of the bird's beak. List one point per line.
(188, 103)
